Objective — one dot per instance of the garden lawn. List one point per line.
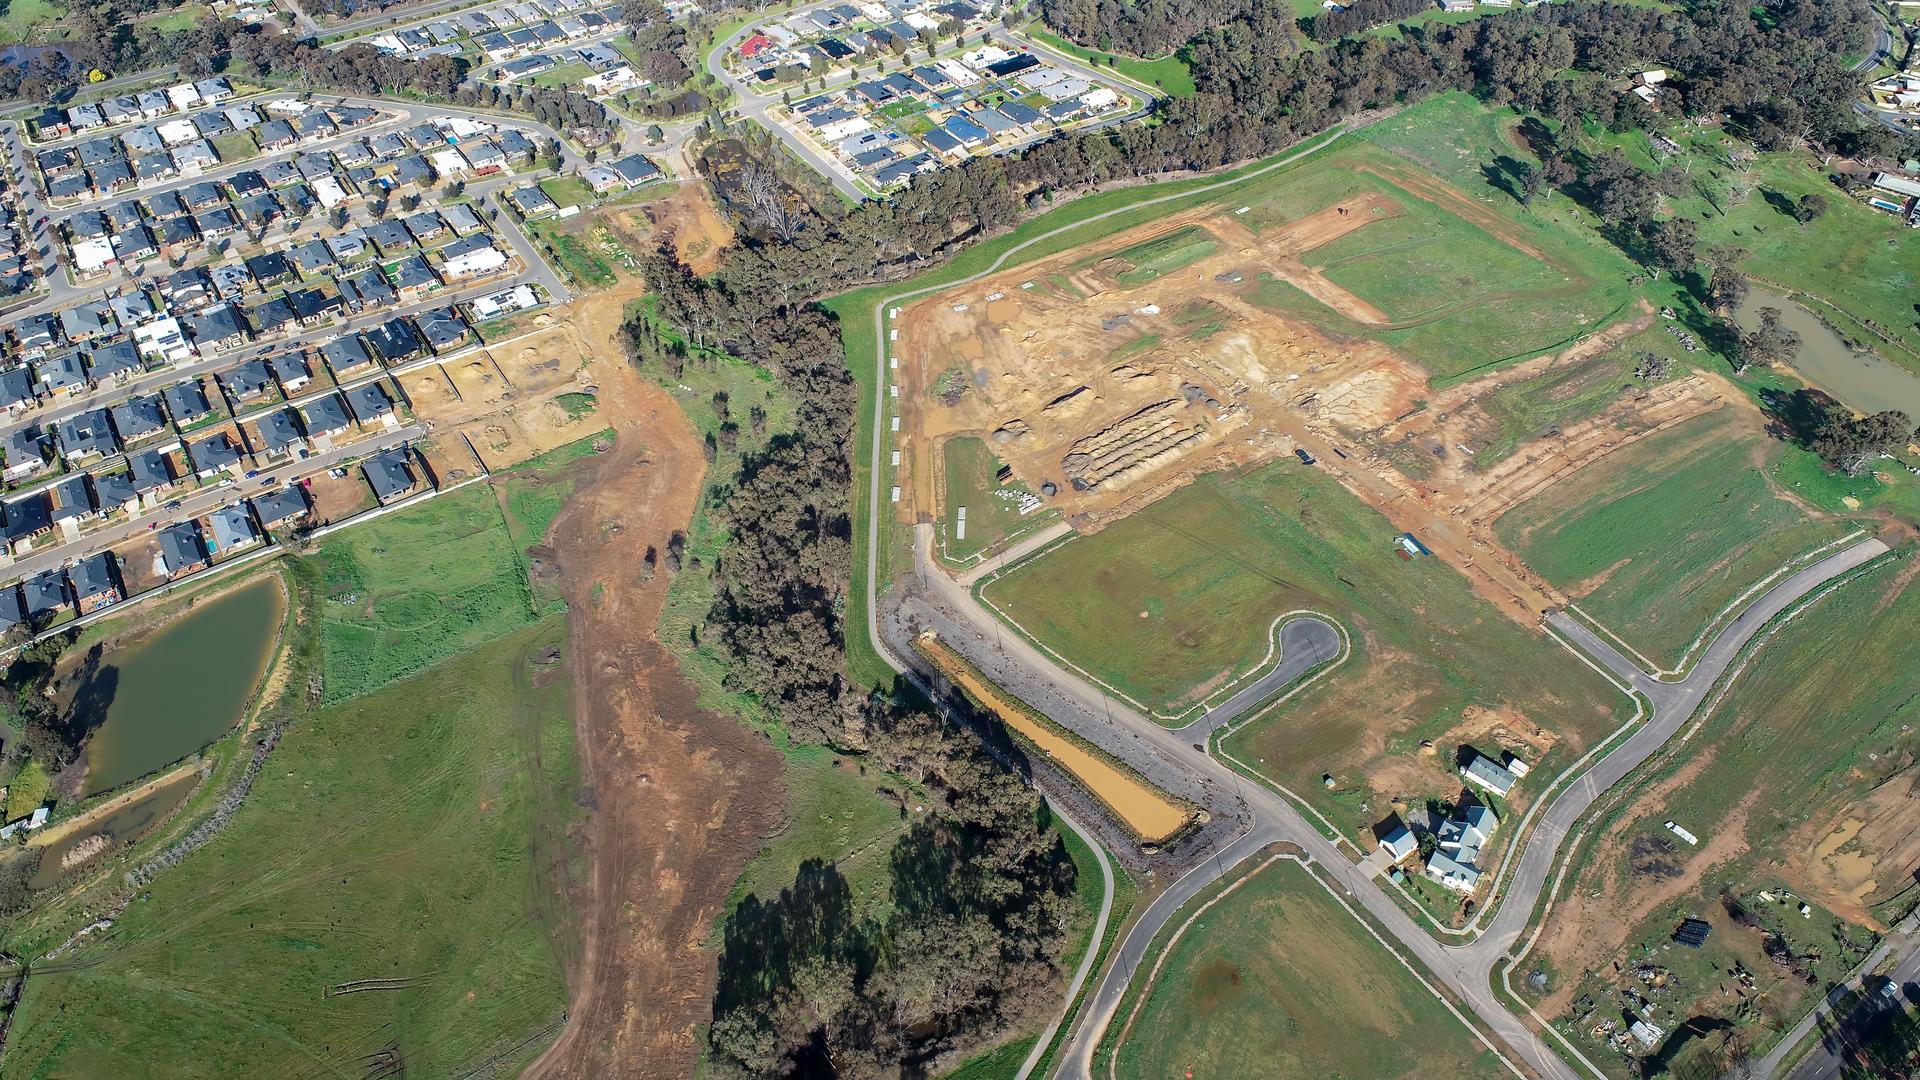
(1656, 539)
(388, 838)
(1278, 979)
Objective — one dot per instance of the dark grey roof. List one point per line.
(186, 401)
(149, 470)
(277, 506)
(180, 546)
(114, 489)
(278, 430)
(212, 454)
(29, 515)
(249, 380)
(94, 577)
(346, 353)
(45, 592)
(326, 414)
(388, 473)
(370, 402)
(138, 417)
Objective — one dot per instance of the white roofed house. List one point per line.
(1456, 862)
(1483, 771)
(471, 256)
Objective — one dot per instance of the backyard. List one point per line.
(1279, 979)
(373, 902)
(1656, 539)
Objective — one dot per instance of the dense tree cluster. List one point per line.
(1847, 442)
(980, 890)
(1140, 27)
(1335, 23)
(661, 45)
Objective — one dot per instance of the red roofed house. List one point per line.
(754, 45)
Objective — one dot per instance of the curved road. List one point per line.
(1466, 969)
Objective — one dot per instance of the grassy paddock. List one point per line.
(1656, 539)
(1278, 979)
(388, 839)
(1163, 255)
(1170, 74)
(409, 590)
(972, 481)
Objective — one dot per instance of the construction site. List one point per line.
(1106, 376)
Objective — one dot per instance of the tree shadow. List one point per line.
(98, 686)
(765, 941)
(1798, 415)
(1778, 201)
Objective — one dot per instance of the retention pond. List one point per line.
(156, 700)
(1857, 377)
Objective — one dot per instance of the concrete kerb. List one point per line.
(1095, 945)
(1720, 618)
(1217, 745)
(1252, 675)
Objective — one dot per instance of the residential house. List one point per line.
(216, 329)
(1456, 862)
(115, 360)
(390, 237)
(279, 434)
(16, 389)
(394, 341)
(426, 227)
(370, 403)
(470, 257)
(138, 418)
(162, 340)
(45, 595)
(326, 416)
(231, 280)
(86, 436)
(151, 471)
(442, 327)
(187, 402)
(413, 278)
(271, 317)
(96, 583)
(277, 508)
(347, 357)
(181, 550)
(504, 302)
(214, 455)
(28, 518)
(367, 290)
(530, 201)
(291, 369)
(65, 373)
(1397, 841)
(72, 498)
(248, 382)
(390, 474)
(312, 257)
(232, 529)
(461, 218)
(1485, 772)
(114, 491)
(26, 450)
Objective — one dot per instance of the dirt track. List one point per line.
(679, 797)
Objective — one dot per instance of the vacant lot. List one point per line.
(388, 840)
(410, 590)
(1163, 255)
(1278, 979)
(1168, 602)
(1654, 540)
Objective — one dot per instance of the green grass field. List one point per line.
(24, 18)
(1163, 255)
(1169, 74)
(1278, 979)
(1212, 564)
(567, 190)
(971, 475)
(1461, 264)
(387, 839)
(410, 590)
(1656, 539)
(575, 255)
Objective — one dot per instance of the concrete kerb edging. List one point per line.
(1709, 631)
(1722, 687)
(1217, 744)
(1306, 864)
(1252, 675)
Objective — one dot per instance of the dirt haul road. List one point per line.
(679, 798)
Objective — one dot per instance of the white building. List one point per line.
(1482, 771)
(1456, 864)
(93, 255)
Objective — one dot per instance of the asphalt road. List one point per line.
(1824, 1061)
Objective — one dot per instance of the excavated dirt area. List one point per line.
(503, 400)
(1105, 385)
(678, 798)
(1113, 393)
